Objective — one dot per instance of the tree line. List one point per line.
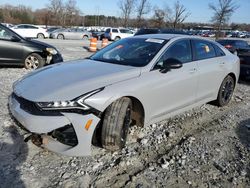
(133, 13)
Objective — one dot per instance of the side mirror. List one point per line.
(169, 64)
(15, 38)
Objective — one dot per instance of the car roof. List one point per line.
(169, 36)
(231, 40)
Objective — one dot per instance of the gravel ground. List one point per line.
(204, 147)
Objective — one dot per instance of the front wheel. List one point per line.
(226, 91)
(116, 122)
(60, 36)
(33, 61)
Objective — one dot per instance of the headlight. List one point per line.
(77, 103)
(51, 51)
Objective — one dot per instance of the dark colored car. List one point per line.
(145, 31)
(242, 49)
(99, 35)
(51, 29)
(16, 50)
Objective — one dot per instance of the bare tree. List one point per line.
(222, 13)
(158, 18)
(126, 6)
(177, 15)
(72, 12)
(143, 8)
(56, 9)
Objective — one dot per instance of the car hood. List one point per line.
(66, 81)
(39, 43)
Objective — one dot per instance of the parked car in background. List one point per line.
(145, 31)
(16, 50)
(142, 79)
(242, 49)
(70, 33)
(117, 33)
(99, 35)
(51, 29)
(30, 31)
(9, 25)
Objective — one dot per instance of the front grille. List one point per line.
(32, 108)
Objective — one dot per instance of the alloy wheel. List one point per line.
(31, 62)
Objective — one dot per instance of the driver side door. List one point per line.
(174, 90)
(11, 52)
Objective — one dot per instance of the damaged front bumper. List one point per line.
(66, 133)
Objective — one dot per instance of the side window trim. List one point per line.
(219, 52)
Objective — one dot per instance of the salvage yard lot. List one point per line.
(205, 147)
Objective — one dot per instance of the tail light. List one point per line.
(228, 46)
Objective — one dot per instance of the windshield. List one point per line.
(136, 52)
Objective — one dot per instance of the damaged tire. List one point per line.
(116, 122)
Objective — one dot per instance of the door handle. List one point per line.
(192, 70)
(222, 63)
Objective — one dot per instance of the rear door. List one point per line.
(32, 30)
(211, 68)
(11, 52)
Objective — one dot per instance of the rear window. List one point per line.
(241, 44)
(125, 31)
(147, 31)
(115, 30)
(225, 42)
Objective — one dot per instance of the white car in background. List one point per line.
(117, 33)
(30, 31)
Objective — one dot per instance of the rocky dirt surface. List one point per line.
(204, 147)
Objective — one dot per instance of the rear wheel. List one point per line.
(60, 36)
(226, 91)
(117, 38)
(40, 36)
(116, 122)
(85, 37)
(33, 61)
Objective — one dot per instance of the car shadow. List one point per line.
(11, 66)
(12, 154)
(243, 132)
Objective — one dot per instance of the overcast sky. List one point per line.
(198, 8)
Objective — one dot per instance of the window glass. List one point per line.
(125, 31)
(107, 31)
(203, 50)
(115, 30)
(5, 34)
(21, 27)
(218, 50)
(180, 50)
(30, 27)
(135, 52)
(241, 44)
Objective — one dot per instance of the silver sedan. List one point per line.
(70, 33)
(139, 80)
